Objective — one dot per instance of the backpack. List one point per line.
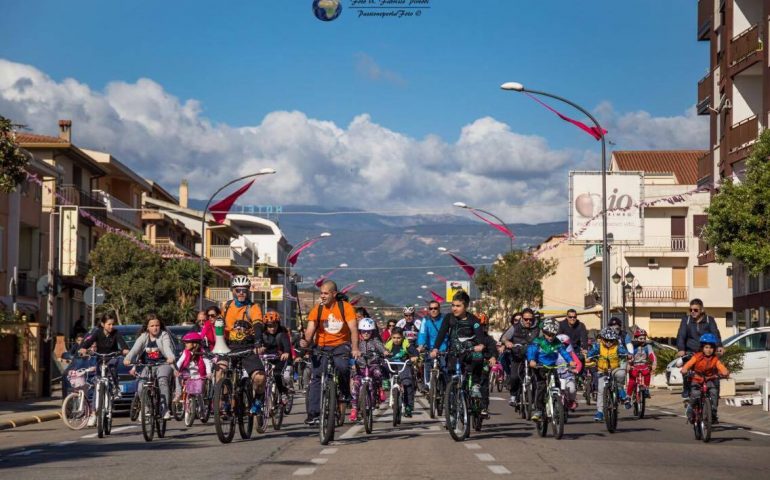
(340, 305)
(248, 311)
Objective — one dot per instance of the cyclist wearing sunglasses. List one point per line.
(429, 329)
(691, 329)
(576, 331)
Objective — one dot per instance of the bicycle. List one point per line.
(397, 395)
(103, 394)
(586, 382)
(610, 396)
(76, 409)
(555, 405)
(330, 404)
(233, 399)
(639, 395)
(193, 401)
(457, 404)
(526, 392)
(437, 387)
(367, 395)
(272, 406)
(150, 403)
(701, 417)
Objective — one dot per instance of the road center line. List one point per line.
(304, 471)
(329, 451)
(319, 461)
(760, 433)
(472, 446)
(499, 469)
(66, 442)
(26, 453)
(485, 457)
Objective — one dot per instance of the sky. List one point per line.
(386, 114)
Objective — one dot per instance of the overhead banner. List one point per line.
(454, 286)
(68, 228)
(625, 212)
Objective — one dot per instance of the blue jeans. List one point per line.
(428, 366)
(341, 364)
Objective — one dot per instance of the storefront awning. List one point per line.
(663, 328)
(24, 306)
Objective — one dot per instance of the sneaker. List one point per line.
(476, 391)
(310, 420)
(599, 417)
(256, 407)
(573, 406)
(689, 413)
(484, 413)
(512, 400)
(537, 416)
(382, 395)
(627, 404)
(167, 415)
(91, 420)
(408, 412)
(353, 414)
(386, 384)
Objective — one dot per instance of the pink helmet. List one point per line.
(192, 337)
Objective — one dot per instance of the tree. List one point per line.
(739, 216)
(516, 280)
(183, 277)
(12, 160)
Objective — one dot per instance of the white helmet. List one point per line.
(240, 281)
(366, 324)
(408, 310)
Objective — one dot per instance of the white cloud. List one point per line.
(360, 165)
(367, 67)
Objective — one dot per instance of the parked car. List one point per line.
(756, 357)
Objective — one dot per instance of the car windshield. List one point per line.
(730, 340)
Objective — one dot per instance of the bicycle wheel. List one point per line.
(395, 393)
(456, 410)
(328, 413)
(477, 419)
(706, 419)
(289, 405)
(588, 390)
(542, 424)
(276, 416)
(224, 418)
(242, 405)
(364, 407)
(75, 410)
(205, 402)
(529, 401)
(136, 406)
(558, 419)
(609, 411)
(697, 424)
(190, 410)
(147, 414)
(432, 387)
(440, 396)
(306, 378)
(101, 411)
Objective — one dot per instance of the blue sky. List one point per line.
(413, 77)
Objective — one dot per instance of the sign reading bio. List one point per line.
(625, 215)
(454, 286)
(68, 241)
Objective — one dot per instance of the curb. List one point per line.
(28, 420)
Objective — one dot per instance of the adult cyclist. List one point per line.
(516, 340)
(429, 328)
(409, 325)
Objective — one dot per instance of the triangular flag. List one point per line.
(464, 265)
(355, 301)
(348, 288)
(294, 256)
(437, 297)
(593, 131)
(220, 209)
(498, 226)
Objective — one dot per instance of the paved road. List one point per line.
(661, 445)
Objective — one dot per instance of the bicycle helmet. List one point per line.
(240, 281)
(192, 337)
(615, 322)
(564, 339)
(609, 334)
(550, 327)
(708, 339)
(640, 333)
(366, 325)
(408, 310)
(271, 316)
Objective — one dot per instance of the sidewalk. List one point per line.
(749, 416)
(17, 414)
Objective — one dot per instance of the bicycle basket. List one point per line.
(194, 386)
(77, 378)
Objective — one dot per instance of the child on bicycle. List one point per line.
(368, 343)
(400, 349)
(275, 341)
(643, 362)
(107, 340)
(544, 351)
(192, 364)
(608, 351)
(568, 374)
(705, 367)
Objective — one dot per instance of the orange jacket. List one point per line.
(703, 366)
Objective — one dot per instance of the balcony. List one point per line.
(745, 49)
(706, 170)
(26, 286)
(667, 246)
(169, 248)
(705, 91)
(705, 18)
(119, 211)
(72, 195)
(590, 300)
(218, 295)
(225, 256)
(592, 254)
(742, 135)
(662, 294)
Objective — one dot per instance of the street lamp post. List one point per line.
(629, 284)
(302, 245)
(264, 171)
(518, 87)
(467, 207)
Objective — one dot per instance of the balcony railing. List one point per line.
(119, 209)
(75, 196)
(706, 169)
(705, 18)
(166, 246)
(743, 134)
(660, 244)
(662, 294)
(744, 44)
(226, 252)
(219, 295)
(705, 91)
(26, 286)
(592, 252)
(590, 300)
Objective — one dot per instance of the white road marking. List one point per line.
(319, 461)
(121, 429)
(498, 399)
(66, 442)
(329, 451)
(472, 446)
(666, 412)
(485, 457)
(352, 432)
(26, 453)
(90, 435)
(499, 469)
(304, 471)
(760, 433)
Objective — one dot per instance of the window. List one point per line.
(766, 280)
(756, 342)
(667, 315)
(700, 277)
(753, 283)
(729, 319)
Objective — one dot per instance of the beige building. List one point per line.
(665, 272)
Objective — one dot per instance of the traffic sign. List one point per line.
(94, 296)
(259, 284)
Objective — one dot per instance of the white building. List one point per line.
(665, 266)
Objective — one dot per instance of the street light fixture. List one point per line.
(629, 285)
(518, 87)
(467, 207)
(201, 293)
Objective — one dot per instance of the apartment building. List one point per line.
(735, 94)
(664, 268)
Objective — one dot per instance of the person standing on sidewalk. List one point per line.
(691, 329)
(335, 322)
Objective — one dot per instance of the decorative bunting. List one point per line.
(464, 265)
(498, 226)
(593, 131)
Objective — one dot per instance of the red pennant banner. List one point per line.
(220, 209)
(437, 297)
(498, 226)
(470, 270)
(294, 256)
(593, 131)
